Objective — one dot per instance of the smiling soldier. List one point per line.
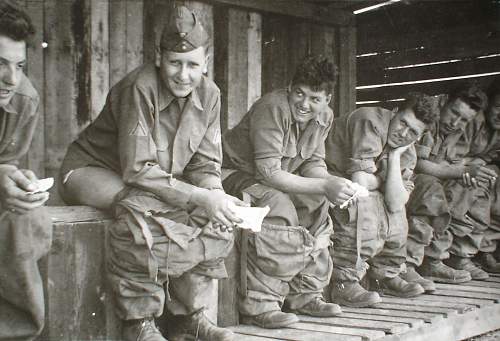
(155, 153)
(278, 150)
(374, 147)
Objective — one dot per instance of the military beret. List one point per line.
(183, 32)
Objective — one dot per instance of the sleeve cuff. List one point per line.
(363, 165)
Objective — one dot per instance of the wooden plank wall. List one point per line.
(424, 41)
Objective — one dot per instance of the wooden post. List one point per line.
(99, 55)
(61, 61)
(35, 158)
(238, 74)
(347, 70)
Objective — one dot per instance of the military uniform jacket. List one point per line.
(268, 139)
(18, 122)
(131, 137)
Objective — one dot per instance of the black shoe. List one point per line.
(352, 294)
(141, 330)
(271, 319)
(463, 263)
(398, 287)
(438, 272)
(412, 276)
(202, 328)
(319, 308)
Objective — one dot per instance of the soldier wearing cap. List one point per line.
(25, 227)
(154, 155)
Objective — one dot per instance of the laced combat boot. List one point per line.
(398, 287)
(466, 264)
(352, 294)
(141, 330)
(202, 328)
(271, 319)
(412, 276)
(437, 271)
(319, 308)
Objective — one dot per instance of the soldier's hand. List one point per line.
(217, 205)
(338, 190)
(480, 173)
(400, 150)
(15, 187)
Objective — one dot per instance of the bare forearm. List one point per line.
(316, 172)
(440, 170)
(291, 183)
(396, 195)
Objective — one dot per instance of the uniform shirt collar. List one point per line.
(166, 97)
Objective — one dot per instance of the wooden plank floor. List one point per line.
(452, 313)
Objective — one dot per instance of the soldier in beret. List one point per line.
(154, 155)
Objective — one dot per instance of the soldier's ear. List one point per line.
(157, 56)
(328, 99)
(207, 60)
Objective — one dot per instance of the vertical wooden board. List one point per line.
(204, 12)
(60, 82)
(228, 291)
(75, 283)
(99, 53)
(221, 55)
(237, 64)
(135, 33)
(347, 70)
(117, 41)
(125, 38)
(156, 14)
(299, 45)
(254, 57)
(323, 42)
(35, 158)
(275, 38)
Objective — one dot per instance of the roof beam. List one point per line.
(296, 8)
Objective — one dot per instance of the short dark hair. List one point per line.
(471, 94)
(14, 22)
(318, 72)
(425, 107)
(493, 88)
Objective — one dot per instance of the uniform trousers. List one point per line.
(24, 239)
(158, 252)
(366, 236)
(288, 262)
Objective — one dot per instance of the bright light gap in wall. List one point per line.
(373, 7)
(375, 102)
(422, 81)
(371, 54)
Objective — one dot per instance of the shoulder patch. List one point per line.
(139, 130)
